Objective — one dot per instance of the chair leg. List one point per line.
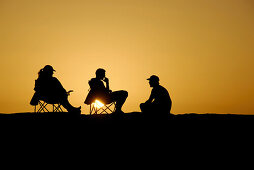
(107, 109)
(42, 107)
(57, 108)
(60, 109)
(93, 109)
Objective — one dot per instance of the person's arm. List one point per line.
(59, 86)
(106, 80)
(151, 97)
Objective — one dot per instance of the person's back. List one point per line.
(161, 98)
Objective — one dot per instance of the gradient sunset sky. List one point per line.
(202, 50)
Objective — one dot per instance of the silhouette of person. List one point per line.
(50, 90)
(159, 102)
(98, 91)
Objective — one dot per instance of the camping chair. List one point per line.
(99, 108)
(96, 107)
(43, 107)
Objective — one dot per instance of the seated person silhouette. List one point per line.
(159, 102)
(98, 91)
(50, 90)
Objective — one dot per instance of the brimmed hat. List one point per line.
(48, 68)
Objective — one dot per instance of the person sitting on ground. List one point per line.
(159, 102)
(98, 91)
(50, 90)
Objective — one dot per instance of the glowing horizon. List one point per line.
(203, 51)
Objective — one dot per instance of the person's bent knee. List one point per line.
(125, 94)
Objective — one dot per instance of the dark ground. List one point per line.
(132, 133)
(132, 119)
(127, 117)
(130, 126)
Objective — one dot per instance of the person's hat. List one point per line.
(48, 68)
(154, 78)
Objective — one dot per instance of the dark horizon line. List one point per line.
(187, 113)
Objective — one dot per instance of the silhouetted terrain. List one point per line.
(132, 129)
(126, 116)
(130, 118)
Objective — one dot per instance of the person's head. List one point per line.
(48, 70)
(100, 73)
(154, 81)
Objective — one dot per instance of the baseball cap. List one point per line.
(154, 78)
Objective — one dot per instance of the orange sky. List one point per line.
(202, 50)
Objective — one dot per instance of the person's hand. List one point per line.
(68, 92)
(106, 80)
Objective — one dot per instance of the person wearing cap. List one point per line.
(159, 102)
(50, 90)
(98, 91)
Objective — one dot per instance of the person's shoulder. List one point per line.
(162, 88)
(93, 80)
(54, 79)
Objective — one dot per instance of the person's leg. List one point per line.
(119, 97)
(66, 104)
(147, 110)
(35, 99)
(144, 107)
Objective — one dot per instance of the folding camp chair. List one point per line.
(105, 109)
(43, 107)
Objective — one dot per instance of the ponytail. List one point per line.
(40, 72)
